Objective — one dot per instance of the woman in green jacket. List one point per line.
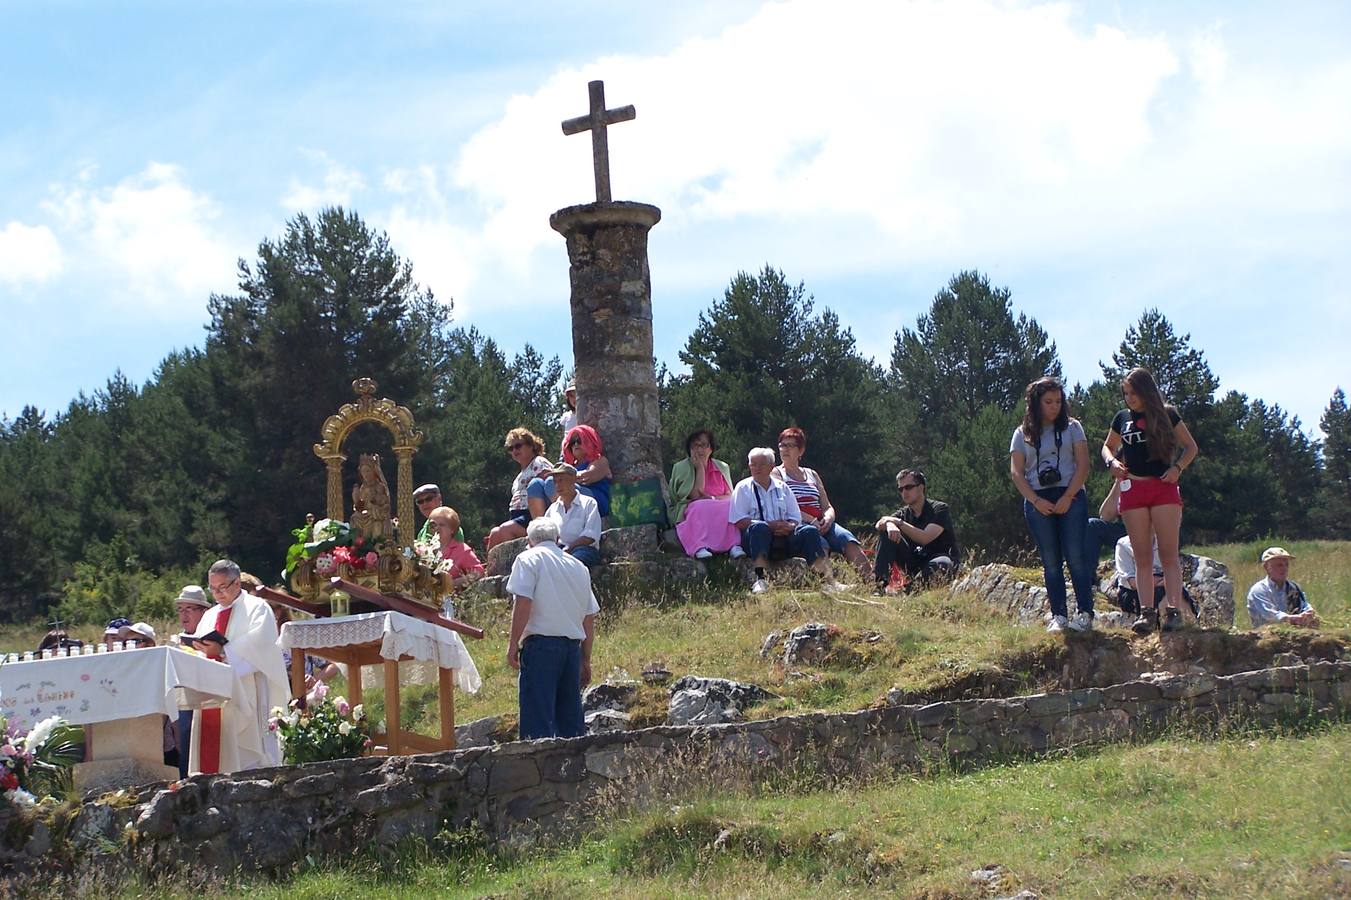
(701, 496)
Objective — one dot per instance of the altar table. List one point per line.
(120, 697)
(386, 639)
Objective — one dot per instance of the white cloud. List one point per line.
(28, 253)
(152, 229)
(909, 118)
(338, 184)
(879, 135)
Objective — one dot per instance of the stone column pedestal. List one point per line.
(612, 331)
(125, 752)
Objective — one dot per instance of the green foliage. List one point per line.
(761, 359)
(966, 353)
(40, 761)
(1334, 506)
(110, 582)
(971, 475)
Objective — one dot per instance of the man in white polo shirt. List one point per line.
(577, 516)
(552, 628)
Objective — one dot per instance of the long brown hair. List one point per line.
(1158, 425)
(1032, 417)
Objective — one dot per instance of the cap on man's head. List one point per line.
(1276, 553)
(564, 469)
(194, 595)
(143, 629)
(116, 625)
(572, 386)
(426, 490)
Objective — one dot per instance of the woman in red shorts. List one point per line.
(1155, 449)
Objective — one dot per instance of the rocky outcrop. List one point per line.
(712, 701)
(1000, 586)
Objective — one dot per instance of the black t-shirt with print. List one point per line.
(1135, 443)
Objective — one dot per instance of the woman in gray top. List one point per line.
(1048, 462)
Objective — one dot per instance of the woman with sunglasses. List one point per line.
(583, 449)
(1048, 462)
(1155, 448)
(528, 498)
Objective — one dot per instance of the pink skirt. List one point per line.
(706, 525)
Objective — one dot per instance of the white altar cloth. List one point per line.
(399, 636)
(107, 687)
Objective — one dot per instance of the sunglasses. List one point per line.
(429, 498)
(908, 487)
(512, 448)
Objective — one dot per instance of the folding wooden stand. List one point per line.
(394, 741)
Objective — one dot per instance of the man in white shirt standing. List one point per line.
(235, 737)
(766, 513)
(552, 629)
(577, 516)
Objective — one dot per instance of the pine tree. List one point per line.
(967, 352)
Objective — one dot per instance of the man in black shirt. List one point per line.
(918, 537)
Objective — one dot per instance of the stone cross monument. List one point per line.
(612, 309)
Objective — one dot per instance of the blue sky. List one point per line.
(1097, 158)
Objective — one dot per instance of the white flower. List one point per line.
(276, 712)
(344, 728)
(292, 718)
(359, 711)
(20, 797)
(41, 731)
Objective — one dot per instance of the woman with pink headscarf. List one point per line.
(582, 448)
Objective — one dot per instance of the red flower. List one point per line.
(9, 781)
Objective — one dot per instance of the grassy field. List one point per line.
(1248, 815)
(1254, 815)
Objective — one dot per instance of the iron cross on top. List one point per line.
(596, 122)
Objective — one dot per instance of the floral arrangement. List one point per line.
(324, 729)
(428, 555)
(38, 763)
(330, 542)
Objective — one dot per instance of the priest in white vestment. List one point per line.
(236, 737)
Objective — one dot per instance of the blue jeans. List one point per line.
(1101, 532)
(588, 554)
(805, 541)
(550, 687)
(838, 538)
(1060, 541)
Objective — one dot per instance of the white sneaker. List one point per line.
(1081, 621)
(1058, 624)
(760, 586)
(703, 553)
(736, 552)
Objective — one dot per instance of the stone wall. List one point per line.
(268, 819)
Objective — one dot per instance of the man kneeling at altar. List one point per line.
(235, 736)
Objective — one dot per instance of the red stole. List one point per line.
(209, 720)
